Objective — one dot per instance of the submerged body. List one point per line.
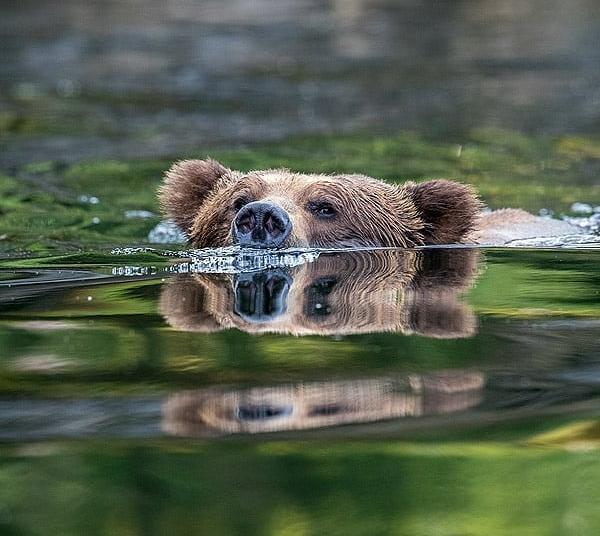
(216, 207)
(503, 226)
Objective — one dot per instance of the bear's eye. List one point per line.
(322, 209)
(241, 202)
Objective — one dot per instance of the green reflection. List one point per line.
(298, 488)
(525, 309)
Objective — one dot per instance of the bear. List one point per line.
(386, 290)
(277, 208)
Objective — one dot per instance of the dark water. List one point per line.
(129, 79)
(445, 391)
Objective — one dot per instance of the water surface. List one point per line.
(152, 397)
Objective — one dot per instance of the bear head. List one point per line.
(277, 208)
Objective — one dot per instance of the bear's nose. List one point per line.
(261, 297)
(261, 225)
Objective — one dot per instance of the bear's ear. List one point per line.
(438, 314)
(186, 186)
(184, 305)
(432, 302)
(448, 209)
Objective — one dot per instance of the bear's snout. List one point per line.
(261, 297)
(261, 225)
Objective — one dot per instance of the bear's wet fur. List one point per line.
(207, 200)
(203, 197)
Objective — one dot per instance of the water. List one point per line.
(146, 389)
(346, 392)
(107, 79)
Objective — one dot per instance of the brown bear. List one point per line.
(407, 291)
(277, 208)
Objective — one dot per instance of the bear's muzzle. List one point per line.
(261, 225)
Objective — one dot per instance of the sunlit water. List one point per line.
(148, 392)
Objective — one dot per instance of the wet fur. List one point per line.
(201, 196)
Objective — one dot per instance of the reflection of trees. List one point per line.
(394, 64)
(322, 488)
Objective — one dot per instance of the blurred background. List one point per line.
(150, 78)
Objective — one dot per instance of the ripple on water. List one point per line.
(229, 259)
(578, 241)
(167, 232)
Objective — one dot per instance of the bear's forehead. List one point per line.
(288, 184)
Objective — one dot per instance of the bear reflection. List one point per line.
(337, 294)
(302, 406)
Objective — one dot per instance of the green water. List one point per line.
(299, 488)
(438, 392)
(459, 395)
(468, 404)
(45, 205)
